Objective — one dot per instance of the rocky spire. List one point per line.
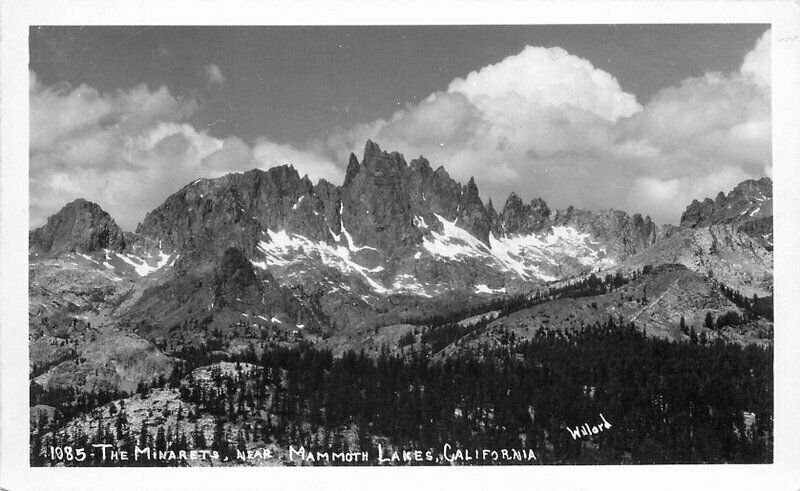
(352, 169)
(372, 152)
(519, 218)
(472, 215)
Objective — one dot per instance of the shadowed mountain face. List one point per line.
(232, 291)
(81, 226)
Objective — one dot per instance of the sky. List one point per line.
(639, 118)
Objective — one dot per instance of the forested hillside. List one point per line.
(666, 402)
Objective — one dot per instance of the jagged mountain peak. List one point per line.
(236, 209)
(754, 187)
(383, 218)
(353, 167)
(521, 219)
(513, 199)
(372, 152)
(80, 226)
(388, 223)
(629, 234)
(749, 200)
(442, 172)
(421, 165)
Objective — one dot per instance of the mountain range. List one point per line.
(270, 256)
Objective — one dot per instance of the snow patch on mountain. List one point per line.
(351, 244)
(142, 266)
(406, 283)
(454, 242)
(529, 256)
(535, 257)
(487, 290)
(284, 248)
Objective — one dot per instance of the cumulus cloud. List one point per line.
(548, 77)
(547, 123)
(542, 122)
(213, 74)
(704, 136)
(130, 149)
(757, 63)
(536, 123)
(86, 143)
(306, 161)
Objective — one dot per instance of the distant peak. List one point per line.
(371, 152)
(513, 199)
(750, 199)
(441, 172)
(471, 189)
(82, 203)
(80, 226)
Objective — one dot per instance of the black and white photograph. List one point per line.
(401, 245)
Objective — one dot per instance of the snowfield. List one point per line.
(529, 257)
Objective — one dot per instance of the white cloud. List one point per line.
(269, 154)
(213, 74)
(130, 149)
(542, 123)
(547, 123)
(672, 195)
(757, 63)
(102, 146)
(65, 120)
(703, 136)
(548, 77)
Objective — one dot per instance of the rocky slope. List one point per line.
(655, 301)
(729, 238)
(748, 206)
(723, 252)
(231, 292)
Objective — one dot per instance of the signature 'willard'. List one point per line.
(585, 430)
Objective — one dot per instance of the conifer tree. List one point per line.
(709, 322)
(161, 440)
(199, 437)
(144, 436)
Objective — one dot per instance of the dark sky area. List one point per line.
(292, 83)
